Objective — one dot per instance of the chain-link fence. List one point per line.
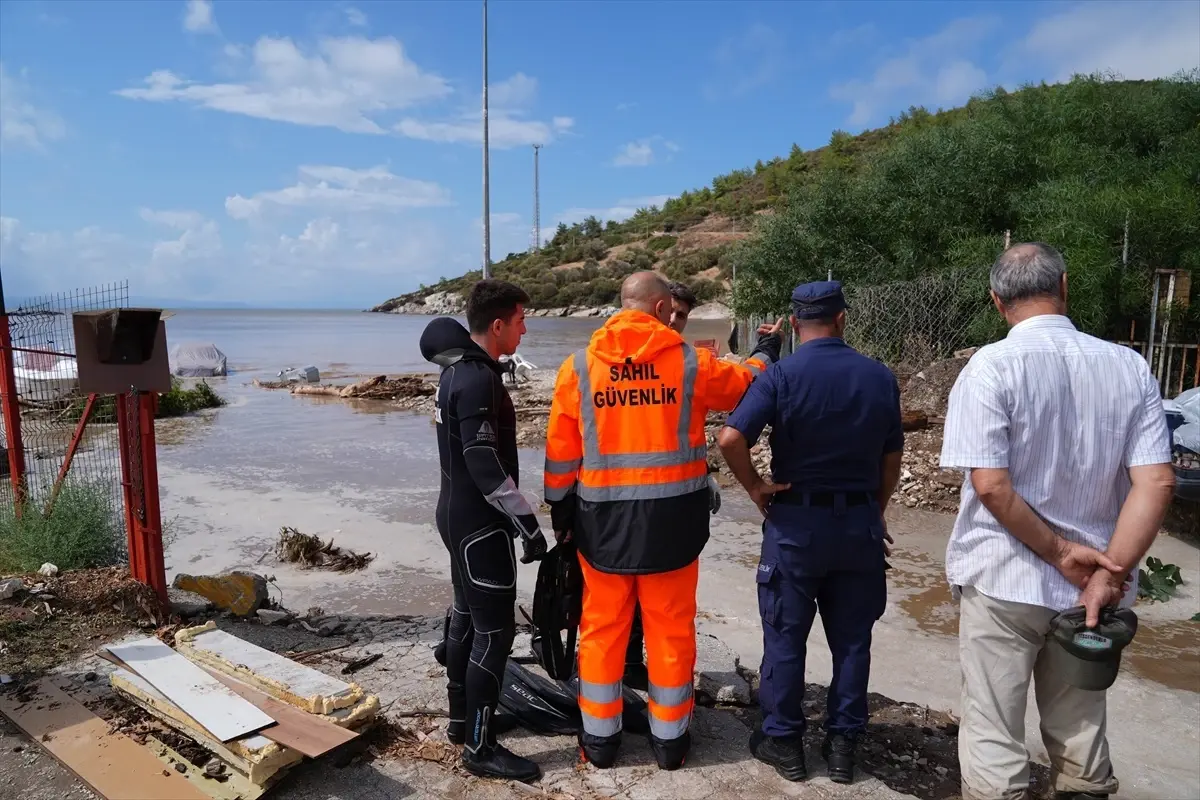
(69, 439)
(910, 324)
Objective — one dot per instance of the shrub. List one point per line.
(81, 531)
(661, 243)
(180, 401)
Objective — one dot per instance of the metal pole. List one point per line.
(537, 202)
(1125, 245)
(11, 408)
(487, 212)
(1166, 353)
(1153, 323)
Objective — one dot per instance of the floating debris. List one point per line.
(310, 551)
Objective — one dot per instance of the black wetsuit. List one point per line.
(479, 512)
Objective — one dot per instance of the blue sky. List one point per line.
(328, 153)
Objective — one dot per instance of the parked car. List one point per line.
(1183, 423)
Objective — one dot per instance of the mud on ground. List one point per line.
(55, 619)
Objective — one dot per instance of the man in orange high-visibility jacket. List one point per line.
(627, 478)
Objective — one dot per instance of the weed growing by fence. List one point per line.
(81, 531)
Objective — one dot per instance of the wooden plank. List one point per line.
(113, 765)
(299, 730)
(221, 712)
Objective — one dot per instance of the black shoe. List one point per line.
(785, 755)
(838, 752)
(600, 751)
(456, 730)
(1080, 796)
(670, 754)
(500, 762)
(637, 676)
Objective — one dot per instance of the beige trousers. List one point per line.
(1001, 646)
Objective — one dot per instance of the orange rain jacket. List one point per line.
(626, 454)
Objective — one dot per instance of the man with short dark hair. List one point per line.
(480, 511)
(683, 300)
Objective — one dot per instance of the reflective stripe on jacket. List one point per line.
(626, 453)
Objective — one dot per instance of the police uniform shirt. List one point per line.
(834, 413)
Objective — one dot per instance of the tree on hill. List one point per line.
(928, 192)
(1063, 164)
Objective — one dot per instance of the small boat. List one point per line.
(43, 382)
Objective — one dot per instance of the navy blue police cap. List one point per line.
(818, 300)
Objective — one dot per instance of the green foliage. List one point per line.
(180, 401)
(1157, 581)
(81, 531)
(934, 192)
(175, 403)
(658, 244)
(1062, 164)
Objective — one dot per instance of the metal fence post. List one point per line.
(152, 533)
(11, 410)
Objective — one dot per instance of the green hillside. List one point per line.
(927, 193)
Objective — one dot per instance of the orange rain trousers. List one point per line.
(668, 603)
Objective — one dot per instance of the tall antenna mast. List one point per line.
(537, 203)
(487, 212)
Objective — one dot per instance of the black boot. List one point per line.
(838, 752)
(600, 751)
(785, 755)
(1080, 796)
(490, 759)
(671, 753)
(498, 761)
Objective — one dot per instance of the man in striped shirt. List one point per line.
(1065, 443)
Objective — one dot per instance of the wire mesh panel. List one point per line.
(910, 324)
(70, 439)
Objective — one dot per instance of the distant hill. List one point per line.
(923, 185)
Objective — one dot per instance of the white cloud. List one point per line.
(23, 124)
(1138, 40)
(356, 261)
(342, 190)
(198, 17)
(623, 209)
(746, 62)
(198, 237)
(643, 152)
(355, 17)
(933, 70)
(509, 102)
(344, 84)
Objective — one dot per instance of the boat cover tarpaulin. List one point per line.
(197, 360)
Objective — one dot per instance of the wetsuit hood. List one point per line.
(446, 342)
(632, 337)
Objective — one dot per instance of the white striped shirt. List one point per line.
(1067, 414)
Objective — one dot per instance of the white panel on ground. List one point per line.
(222, 713)
(278, 676)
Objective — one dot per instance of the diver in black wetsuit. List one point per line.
(480, 512)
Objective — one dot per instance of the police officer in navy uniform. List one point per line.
(836, 443)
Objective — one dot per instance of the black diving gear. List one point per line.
(544, 706)
(480, 511)
(557, 608)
